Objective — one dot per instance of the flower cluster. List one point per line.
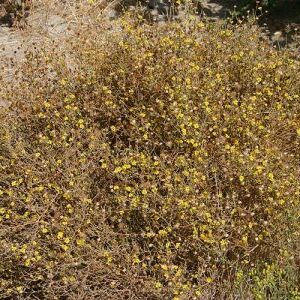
(164, 166)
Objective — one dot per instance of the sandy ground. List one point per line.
(42, 26)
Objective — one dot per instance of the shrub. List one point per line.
(152, 162)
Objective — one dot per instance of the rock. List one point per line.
(3, 104)
(163, 7)
(56, 25)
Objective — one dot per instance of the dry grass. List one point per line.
(162, 164)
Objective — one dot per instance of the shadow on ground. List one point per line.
(281, 23)
(6, 20)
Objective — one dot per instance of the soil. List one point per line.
(41, 27)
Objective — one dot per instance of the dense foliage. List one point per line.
(152, 162)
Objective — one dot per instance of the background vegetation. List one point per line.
(152, 162)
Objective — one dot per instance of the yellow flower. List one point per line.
(23, 249)
(67, 240)
(128, 189)
(63, 82)
(271, 176)
(162, 232)
(118, 170)
(80, 242)
(209, 279)
(44, 230)
(60, 235)
(158, 285)
(136, 260)
(27, 262)
(81, 123)
(104, 165)
(259, 169)
(65, 247)
(20, 289)
(126, 166)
